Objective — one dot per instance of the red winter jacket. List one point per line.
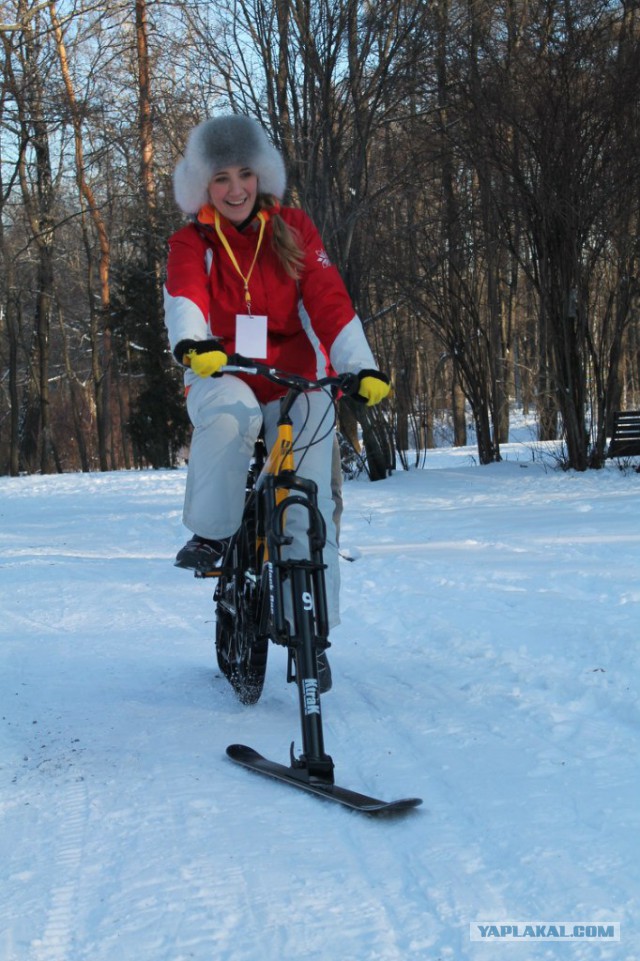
(204, 293)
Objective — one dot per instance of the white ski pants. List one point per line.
(227, 418)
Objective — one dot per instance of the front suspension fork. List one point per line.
(303, 652)
(309, 630)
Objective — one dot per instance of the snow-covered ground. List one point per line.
(488, 661)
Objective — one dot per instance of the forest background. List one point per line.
(473, 168)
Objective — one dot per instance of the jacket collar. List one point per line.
(206, 218)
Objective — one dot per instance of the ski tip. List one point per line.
(240, 752)
(393, 807)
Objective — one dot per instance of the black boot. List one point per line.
(201, 554)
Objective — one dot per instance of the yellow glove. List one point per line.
(373, 387)
(204, 362)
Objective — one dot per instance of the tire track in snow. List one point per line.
(57, 940)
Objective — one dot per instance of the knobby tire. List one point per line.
(240, 648)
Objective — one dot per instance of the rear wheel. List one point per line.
(240, 648)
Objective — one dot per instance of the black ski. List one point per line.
(298, 777)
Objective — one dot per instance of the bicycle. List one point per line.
(250, 594)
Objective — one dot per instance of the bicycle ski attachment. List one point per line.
(299, 777)
(313, 770)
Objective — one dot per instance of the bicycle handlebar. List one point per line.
(347, 383)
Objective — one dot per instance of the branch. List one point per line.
(13, 27)
(99, 5)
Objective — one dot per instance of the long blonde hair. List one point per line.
(284, 239)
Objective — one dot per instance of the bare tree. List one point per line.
(26, 78)
(100, 322)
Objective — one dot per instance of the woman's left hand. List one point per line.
(373, 387)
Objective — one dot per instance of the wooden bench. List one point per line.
(625, 440)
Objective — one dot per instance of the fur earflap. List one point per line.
(228, 141)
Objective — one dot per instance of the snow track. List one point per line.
(61, 917)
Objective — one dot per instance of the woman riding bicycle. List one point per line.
(250, 276)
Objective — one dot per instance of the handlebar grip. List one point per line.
(349, 386)
(237, 360)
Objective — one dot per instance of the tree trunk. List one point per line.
(13, 325)
(458, 408)
(101, 330)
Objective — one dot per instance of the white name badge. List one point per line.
(251, 336)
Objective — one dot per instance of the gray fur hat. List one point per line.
(231, 141)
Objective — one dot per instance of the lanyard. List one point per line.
(225, 243)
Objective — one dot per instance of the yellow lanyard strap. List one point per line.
(225, 243)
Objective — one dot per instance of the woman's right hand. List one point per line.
(204, 357)
(206, 365)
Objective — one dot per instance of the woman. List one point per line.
(248, 275)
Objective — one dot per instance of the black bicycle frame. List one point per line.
(304, 629)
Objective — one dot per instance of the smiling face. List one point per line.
(233, 192)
